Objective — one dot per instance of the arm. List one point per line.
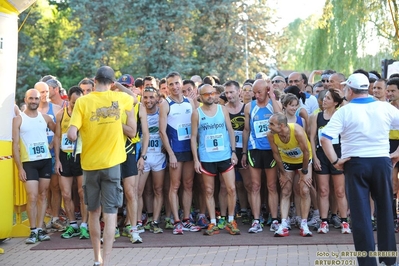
(122, 88)
(130, 128)
(57, 141)
(230, 130)
(312, 136)
(193, 141)
(163, 122)
(314, 73)
(50, 122)
(145, 136)
(16, 124)
(245, 135)
(305, 116)
(302, 139)
(277, 107)
(276, 153)
(72, 133)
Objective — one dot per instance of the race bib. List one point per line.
(66, 144)
(49, 132)
(333, 141)
(261, 128)
(184, 131)
(293, 153)
(214, 143)
(155, 144)
(238, 137)
(38, 151)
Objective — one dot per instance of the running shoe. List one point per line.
(335, 221)
(117, 234)
(135, 237)
(126, 231)
(345, 228)
(222, 223)
(178, 229)
(232, 228)
(305, 231)
(202, 222)
(147, 226)
(155, 228)
(42, 236)
(374, 224)
(324, 228)
(256, 227)
(84, 233)
(274, 226)
(140, 228)
(168, 224)
(245, 218)
(189, 226)
(281, 231)
(32, 239)
(57, 225)
(70, 232)
(211, 230)
(314, 221)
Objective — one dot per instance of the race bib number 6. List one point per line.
(214, 143)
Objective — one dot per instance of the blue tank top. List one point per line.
(214, 140)
(299, 120)
(50, 134)
(179, 125)
(259, 123)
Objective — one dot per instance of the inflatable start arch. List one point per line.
(9, 11)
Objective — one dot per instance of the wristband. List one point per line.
(233, 151)
(244, 153)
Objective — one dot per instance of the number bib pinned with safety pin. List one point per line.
(38, 151)
(184, 131)
(214, 143)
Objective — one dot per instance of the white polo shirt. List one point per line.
(364, 125)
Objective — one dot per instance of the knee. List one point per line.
(209, 192)
(32, 198)
(272, 188)
(255, 188)
(304, 192)
(324, 192)
(286, 192)
(340, 193)
(66, 196)
(231, 191)
(158, 191)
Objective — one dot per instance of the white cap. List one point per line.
(357, 81)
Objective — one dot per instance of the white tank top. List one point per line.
(33, 138)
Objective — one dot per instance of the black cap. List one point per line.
(105, 72)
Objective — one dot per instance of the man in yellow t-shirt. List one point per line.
(97, 116)
(292, 152)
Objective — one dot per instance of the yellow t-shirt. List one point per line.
(291, 152)
(98, 119)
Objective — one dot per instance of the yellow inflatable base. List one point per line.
(6, 189)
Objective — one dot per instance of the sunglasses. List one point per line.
(207, 94)
(276, 81)
(325, 81)
(150, 89)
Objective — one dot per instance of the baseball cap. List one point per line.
(127, 80)
(105, 72)
(357, 81)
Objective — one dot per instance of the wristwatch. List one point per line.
(304, 171)
(144, 157)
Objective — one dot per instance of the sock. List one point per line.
(274, 219)
(284, 222)
(83, 225)
(134, 227)
(150, 214)
(304, 222)
(53, 219)
(256, 220)
(34, 230)
(176, 222)
(73, 224)
(213, 221)
(344, 220)
(127, 225)
(324, 220)
(231, 218)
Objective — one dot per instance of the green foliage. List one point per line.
(339, 39)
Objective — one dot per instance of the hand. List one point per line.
(306, 178)
(283, 178)
(340, 164)
(22, 174)
(234, 159)
(197, 167)
(58, 167)
(271, 93)
(173, 161)
(394, 157)
(140, 165)
(316, 164)
(318, 72)
(244, 161)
